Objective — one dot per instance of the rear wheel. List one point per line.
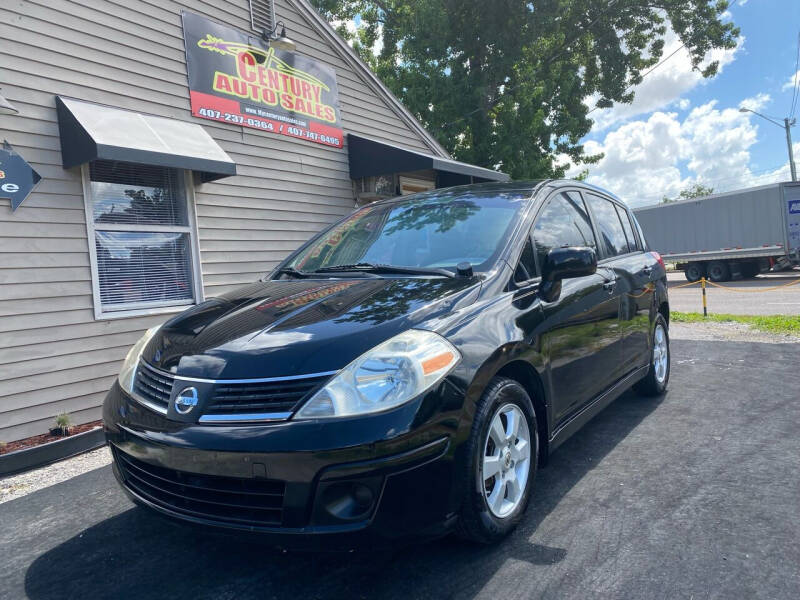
(694, 271)
(719, 271)
(502, 451)
(655, 382)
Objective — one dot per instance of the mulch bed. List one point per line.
(36, 440)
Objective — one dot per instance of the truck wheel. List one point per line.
(719, 271)
(694, 271)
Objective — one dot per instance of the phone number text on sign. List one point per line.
(224, 111)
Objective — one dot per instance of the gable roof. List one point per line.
(351, 57)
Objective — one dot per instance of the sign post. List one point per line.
(238, 79)
(17, 177)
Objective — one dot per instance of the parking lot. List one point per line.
(745, 299)
(694, 495)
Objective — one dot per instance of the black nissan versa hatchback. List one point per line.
(402, 373)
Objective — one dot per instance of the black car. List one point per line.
(402, 373)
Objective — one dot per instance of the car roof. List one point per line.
(532, 187)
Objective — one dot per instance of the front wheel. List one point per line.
(655, 382)
(502, 450)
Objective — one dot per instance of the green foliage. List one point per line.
(785, 324)
(505, 83)
(63, 421)
(418, 216)
(693, 191)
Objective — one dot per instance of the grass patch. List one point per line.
(787, 324)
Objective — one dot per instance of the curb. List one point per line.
(44, 454)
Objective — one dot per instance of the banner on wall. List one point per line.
(236, 78)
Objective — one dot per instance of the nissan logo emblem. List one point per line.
(186, 400)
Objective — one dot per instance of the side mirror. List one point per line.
(565, 263)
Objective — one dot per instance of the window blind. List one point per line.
(137, 194)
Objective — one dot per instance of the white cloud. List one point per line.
(757, 102)
(791, 82)
(665, 85)
(646, 160)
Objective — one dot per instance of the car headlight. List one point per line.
(390, 374)
(128, 371)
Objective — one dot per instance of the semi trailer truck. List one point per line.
(727, 236)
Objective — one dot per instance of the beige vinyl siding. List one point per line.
(54, 356)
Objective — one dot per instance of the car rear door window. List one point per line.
(563, 222)
(612, 236)
(626, 226)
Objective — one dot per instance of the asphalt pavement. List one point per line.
(692, 495)
(743, 297)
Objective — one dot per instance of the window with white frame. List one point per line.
(142, 238)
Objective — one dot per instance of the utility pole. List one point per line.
(787, 124)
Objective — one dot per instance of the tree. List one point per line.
(504, 83)
(695, 190)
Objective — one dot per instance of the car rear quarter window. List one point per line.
(626, 226)
(612, 236)
(564, 221)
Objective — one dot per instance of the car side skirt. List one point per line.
(564, 431)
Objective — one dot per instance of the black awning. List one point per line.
(96, 132)
(369, 157)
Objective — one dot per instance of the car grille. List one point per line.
(254, 502)
(245, 400)
(153, 386)
(262, 397)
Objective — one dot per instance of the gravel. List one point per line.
(20, 485)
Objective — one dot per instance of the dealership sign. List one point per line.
(17, 177)
(236, 78)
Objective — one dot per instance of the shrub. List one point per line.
(63, 422)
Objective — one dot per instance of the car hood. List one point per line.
(295, 327)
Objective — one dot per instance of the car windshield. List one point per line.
(432, 231)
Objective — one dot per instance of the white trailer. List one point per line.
(730, 235)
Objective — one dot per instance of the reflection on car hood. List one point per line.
(293, 327)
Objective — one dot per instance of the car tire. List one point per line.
(719, 271)
(657, 378)
(694, 271)
(504, 399)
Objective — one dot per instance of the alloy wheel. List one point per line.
(660, 353)
(506, 460)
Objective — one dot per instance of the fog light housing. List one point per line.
(347, 501)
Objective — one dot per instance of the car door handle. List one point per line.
(609, 285)
(647, 270)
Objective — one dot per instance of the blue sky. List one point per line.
(682, 129)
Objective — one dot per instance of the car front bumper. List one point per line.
(376, 478)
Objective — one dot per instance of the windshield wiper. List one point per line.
(293, 272)
(385, 269)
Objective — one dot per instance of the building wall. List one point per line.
(54, 356)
